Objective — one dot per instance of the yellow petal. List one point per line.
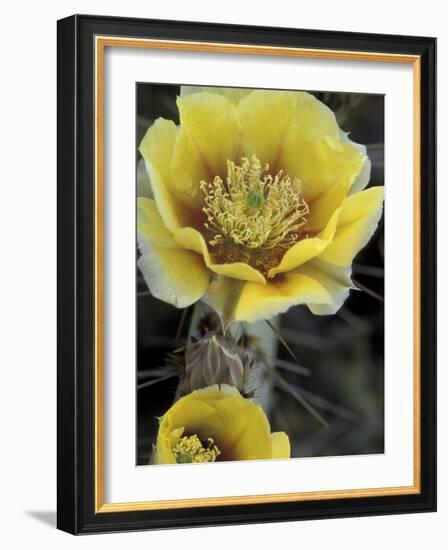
(321, 164)
(196, 416)
(323, 207)
(157, 148)
(363, 178)
(334, 278)
(265, 116)
(359, 217)
(175, 435)
(164, 453)
(281, 447)
(173, 274)
(278, 295)
(166, 276)
(150, 226)
(312, 120)
(315, 150)
(306, 249)
(246, 434)
(188, 169)
(211, 121)
(233, 94)
(223, 389)
(193, 240)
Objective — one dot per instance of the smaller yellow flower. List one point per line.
(217, 424)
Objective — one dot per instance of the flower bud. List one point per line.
(216, 359)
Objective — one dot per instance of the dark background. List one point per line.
(344, 352)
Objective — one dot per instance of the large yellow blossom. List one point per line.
(258, 204)
(215, 424)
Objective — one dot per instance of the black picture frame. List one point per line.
(76, 289)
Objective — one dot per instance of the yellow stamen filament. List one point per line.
(191, 449)
(252, 208)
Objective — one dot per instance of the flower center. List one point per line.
(253, 216)
(253, 208)
(192, 449)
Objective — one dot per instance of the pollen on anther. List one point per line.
(252, 208)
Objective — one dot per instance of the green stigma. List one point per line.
(183, 459)
(255, 199)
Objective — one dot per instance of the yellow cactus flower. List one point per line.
(217, 424)
(258, 204)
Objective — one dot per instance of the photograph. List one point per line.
(259, 274)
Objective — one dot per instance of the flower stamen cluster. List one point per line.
(191, 449)
(252, 208)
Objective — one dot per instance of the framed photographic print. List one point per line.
(246, 274)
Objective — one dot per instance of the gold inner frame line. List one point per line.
(101, 42)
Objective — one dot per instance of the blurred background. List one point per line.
(338, 369)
